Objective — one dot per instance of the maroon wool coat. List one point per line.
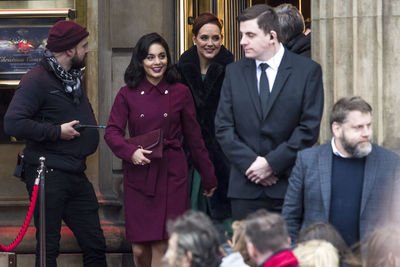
(146, 108)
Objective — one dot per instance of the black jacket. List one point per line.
(301, 45)
(39, 107)
(206, 96)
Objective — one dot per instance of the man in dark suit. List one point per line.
(347, 182)
(270, 107)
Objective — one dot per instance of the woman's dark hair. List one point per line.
(203, 19)
(135, 73)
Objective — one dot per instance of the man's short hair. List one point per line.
(267, 231)
(267, 19)
(196, 234)
(344, 105)
(290, 20)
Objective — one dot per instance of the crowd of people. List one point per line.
(265, 242)
(233, 140)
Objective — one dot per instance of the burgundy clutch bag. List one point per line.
(150, 141)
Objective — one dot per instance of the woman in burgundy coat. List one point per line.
(155, 190)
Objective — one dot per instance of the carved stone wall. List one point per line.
(357, 44)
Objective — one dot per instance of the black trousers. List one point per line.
(69, 197)
(243, 207)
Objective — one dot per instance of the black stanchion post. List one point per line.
(42, 171)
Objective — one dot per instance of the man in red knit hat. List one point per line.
(268, 241)
(48, 102)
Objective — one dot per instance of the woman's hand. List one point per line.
(209, 193)
(138, 157)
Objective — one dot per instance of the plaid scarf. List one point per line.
(71, 80)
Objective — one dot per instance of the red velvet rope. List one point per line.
(24, 228)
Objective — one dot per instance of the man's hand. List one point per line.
(260, 172)
(67, 131)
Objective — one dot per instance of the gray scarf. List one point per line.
(71, 80)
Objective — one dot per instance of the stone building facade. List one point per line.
(356, 42)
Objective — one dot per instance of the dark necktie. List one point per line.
(264, 88)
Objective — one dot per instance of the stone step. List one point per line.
(114, 234)
(75, 260)
(117, 248)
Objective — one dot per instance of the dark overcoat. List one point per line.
(300, 44)
(206, 96)
(148, 206)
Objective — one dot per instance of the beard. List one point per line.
(77, 63)
(355, 149)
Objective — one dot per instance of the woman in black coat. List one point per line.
(202, 68)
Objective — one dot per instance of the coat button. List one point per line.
(142, 115)
(142, 92)
(165, 115)
(166, 92)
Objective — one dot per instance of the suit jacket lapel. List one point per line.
(251, 80)
(284, 70)
(325, 174)
(371, 166)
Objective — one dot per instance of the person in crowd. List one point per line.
(239, 242)
(270, 107)
(239, 256)
(49, 101)
(317, 253)
(202, 69)
(348, 182)
(325, 231)
(155, 188)
(381, 249)
(268, 241)
(292, 27)
(193, 242)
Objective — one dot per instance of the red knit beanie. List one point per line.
(65, 35)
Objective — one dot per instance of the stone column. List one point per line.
(357, 44)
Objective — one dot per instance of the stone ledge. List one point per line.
(75, 260)
(114, 234)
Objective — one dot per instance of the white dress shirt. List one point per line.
(272, 70)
